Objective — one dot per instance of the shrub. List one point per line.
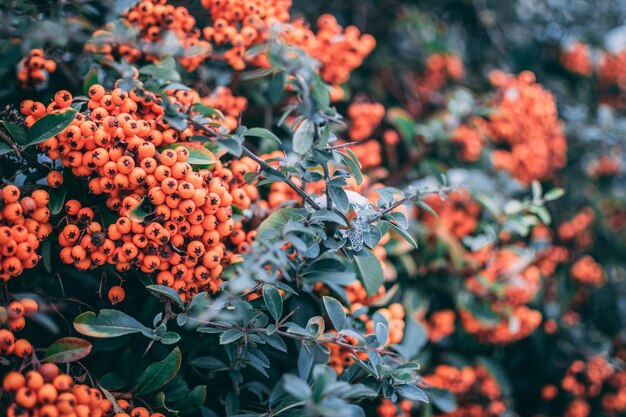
(218, 208)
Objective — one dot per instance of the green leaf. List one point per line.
(199, 156)
(335, 312)
(412, 393)
(17, 133)
(296, 387)
(277, 86)
(208, 362)
(165, 70)
(159, 373)
(57, 199)
(193, 401)
(303, 137)
(369, 271)
(232, 146)
(170, 338)
(353, 167)
(339, 197)
(328, 216)
(427, 208)
(444, 400)
(140, 211)
(273, 301)
(109, 323)
(230, 336)
(67, 349)
(49, 126)
(405, 235)
(207, 111)
(5, 149)
(279, 218)
(259, 132)
(415, 338)
(554, 194)
(167, 292)
(91, 78)
(321, 92)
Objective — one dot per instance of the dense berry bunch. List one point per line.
(457, 214)
(440, 67)
(237, 25)
(577, 231)
(587, 271)
(23, 225)
(478, 392)
(439, 324)
(13, 316)
(152, 30)
(364, 118)
(388, 409)
(525, 125)
(189, 216)
(35, 69)
(469, 138)
(611, 79)
(46, 392)
(576, 57)
(339, 50)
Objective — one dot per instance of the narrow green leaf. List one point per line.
(159, 373)
(16, 132)
(369, 271)
(57, 199)
(140, 211)
(273, 301)
(336, 313)
(67, 349)
(230, 336)
(49, 126)
(259, 132)
(303, 137)
(167, 292)
(109, 323)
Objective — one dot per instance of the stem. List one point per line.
(267, 167)
(334, 340)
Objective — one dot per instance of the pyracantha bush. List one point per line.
(254, 208)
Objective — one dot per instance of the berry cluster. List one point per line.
(457, 214)
(587, 271)
(439, 68)
(35, 69)
(237, 25)
(477, 391)
(187, 214)
(339, 50)
(526, 128)
(576, 57)
(14, 317)
(150, 30)
(439, 324)
(577, 231)
(587, 380)
(388, 409)
(23, 225)
(364, 118)
(46, 392)
(469, 139)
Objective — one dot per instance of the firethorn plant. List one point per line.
(204, 213)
